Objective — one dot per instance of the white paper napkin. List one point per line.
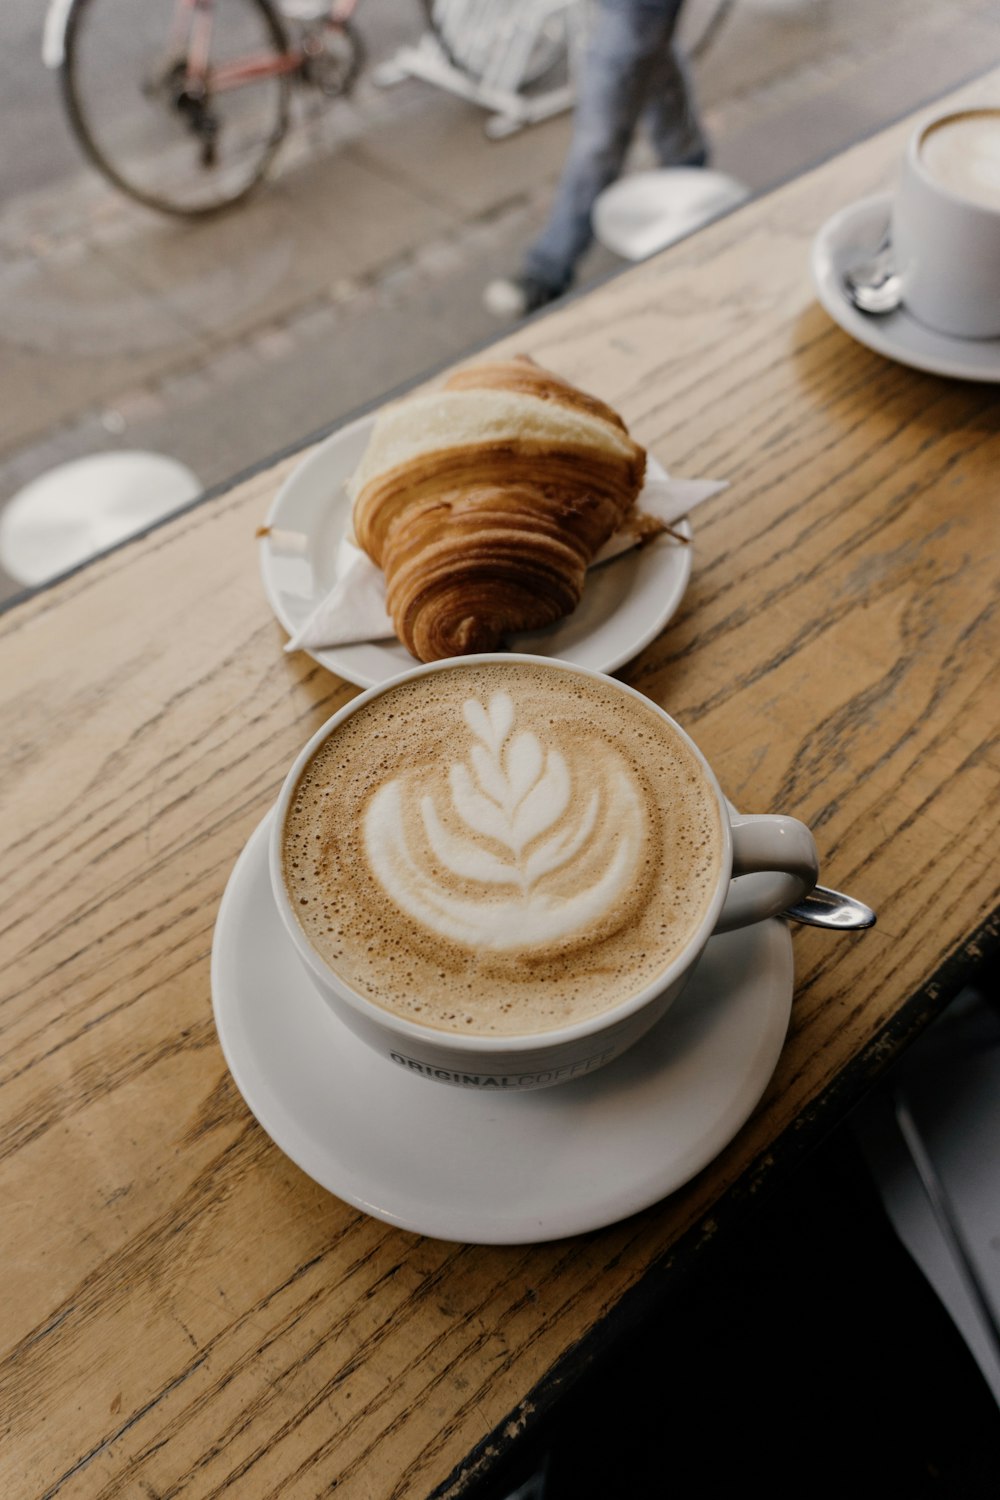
(354, 609)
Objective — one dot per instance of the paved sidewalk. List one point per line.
(362, 264)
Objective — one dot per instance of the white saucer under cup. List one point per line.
(844, 241)
(473, 1166)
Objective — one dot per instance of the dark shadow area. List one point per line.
(810, 1358)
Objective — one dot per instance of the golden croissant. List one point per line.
(484, 502)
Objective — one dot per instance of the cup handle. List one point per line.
(778, 857)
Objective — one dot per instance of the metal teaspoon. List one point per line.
(874, 285)
(825, 908)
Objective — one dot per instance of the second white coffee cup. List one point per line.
(945, 226)
(490, 825)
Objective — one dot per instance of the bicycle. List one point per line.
(182, 104)
(495, 52)
(468, 47)
(469, 34)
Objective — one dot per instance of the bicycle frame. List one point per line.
(191, 38)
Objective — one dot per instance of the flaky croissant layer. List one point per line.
(484, 503)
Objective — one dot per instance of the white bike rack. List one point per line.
(499, 43)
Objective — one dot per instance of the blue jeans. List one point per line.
(631, 72)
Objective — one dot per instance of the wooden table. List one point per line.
(183, 1309)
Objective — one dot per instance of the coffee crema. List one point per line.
(962, 153)
(501, 848)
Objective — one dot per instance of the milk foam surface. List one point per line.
(962, 153)
(501, 848)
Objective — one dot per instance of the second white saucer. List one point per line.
(458, 1164)
(898, 335)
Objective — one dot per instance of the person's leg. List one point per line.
(623, 58)
(671, 114)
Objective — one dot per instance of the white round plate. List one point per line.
(78, 509)
(462, 1165)
(842, 242)
(625, 604)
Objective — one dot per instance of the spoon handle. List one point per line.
(825, 908)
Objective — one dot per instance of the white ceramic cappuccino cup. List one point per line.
(767, 863)
(945, 227)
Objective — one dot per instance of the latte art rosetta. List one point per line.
(501, 847)
(514, 854)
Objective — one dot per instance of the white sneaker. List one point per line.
(516, 296)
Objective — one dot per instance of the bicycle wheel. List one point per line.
(468, 32)
(174, 145)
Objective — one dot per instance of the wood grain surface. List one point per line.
(183, 1310)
